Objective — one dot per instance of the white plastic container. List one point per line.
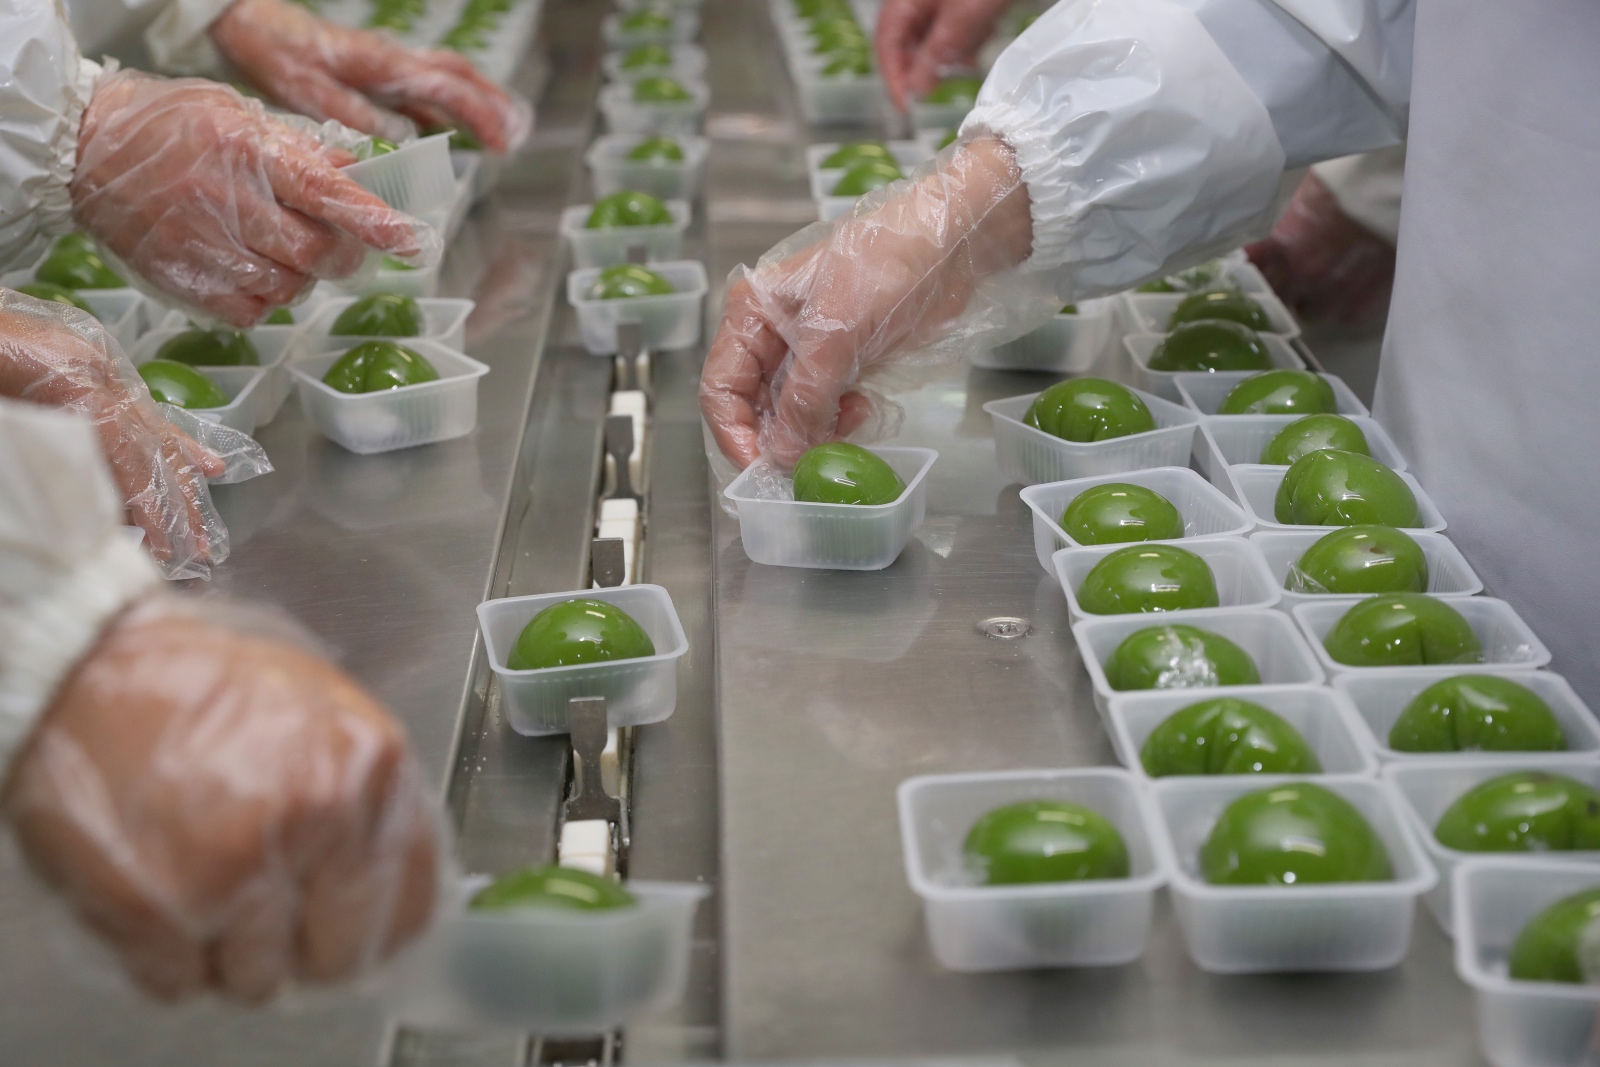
(550, 971)
(667, 322)
(1233, 440)
(1205, 391)
(1379, 698)
(1030, 457)
(416, 177)
(1142, 346)
(1151, 311)
(416, 281)
(120, 311)
(1449, 573)
(443, 320)
(688, 61)
(847, 537)
(1323, 717)
(637, 691)
(908, 154)
(1242, 578)
(1507, 640)
(624, 114)
(685, 24)
(974, 927)
(1256, 488)
(604, 247)
(275, 347)
(394, 418)
(1205, 511)
(840, 99)
(613, 172)
(1520, 1023)
(1067, 344)
(1348, 926)
(932, 140)
(941, 117)
(1426, 790)
(1269, 637)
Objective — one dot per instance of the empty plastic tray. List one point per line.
(1067, 344)
(1240, 573)
(1449, 574)
(1232, 440)
(1205, 391)
(1142, 346)
(1031, 456)
(1507, 640)
(604, 247)
(1256, 487)
(393, 418)
(666, 322)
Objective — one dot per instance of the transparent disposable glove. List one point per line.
(328, 71)
(58, 356)
(918, 41)
(220, 206)
(227, 810)
(907, 279)
(1324, 264)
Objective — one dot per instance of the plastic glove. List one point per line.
(327, 71)
(899, 282)
(1323, 263)
(227, 810)
(217, 204)
(919, 40)
(56, 355)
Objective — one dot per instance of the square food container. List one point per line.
(394, 418)
(1449, 573)
(1324, 718)
(908, 154)
(444, 321)
(121, 311)
(605, 247)
(1067, 344)
(624, 114)
(974, 927)
(613, 172)
(546, 970)
(1233, 440)
(1142, 346)
(1029, 456)
(1256, 487)
(637, 691)
(1426, 790)
(1349, 926)
(847, 537)
(930, 140)
(275, 345)
(1521, 1023)
(1242, 578)
(1280, 653)
(1152, 310)
(667, 322)
(1507, 640)
(415, 178)
(941, 117)
(1380, 697)
(688, 62)
(685, 24)
(1205, 391)
(1205, 511)
(840, 99)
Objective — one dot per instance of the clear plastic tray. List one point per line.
(637, 691)
(908, 154)
(1521, 1024)
(1205, 511)
(394, 418)
(604, 247)
(1350, 926)
(443, 320)
(419, 282)
(685, 24)
(275, 345)
(1427, 789)
(1449, 573)
(834, 100)
(1324, 717)
(941, 117)
(549, 971)
(121, 311)
(465, 166)
(1067, 344)
(416, 177)
(667, 322)
(1242, 578)
(930, 139)
(1030, 457)
(1233, 440)
(1256, 488)
(1379, 698)
(1507, 640)
(613, 172)
(688, 61)
(1151, 311)
(1280, 653)
(626, 115)
(847, 537)
(1204, 391)
(1141, 346)
(1101, 922)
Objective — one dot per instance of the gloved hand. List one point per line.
(55, 355)
(328, 71)
(918, 40)
(227, 810)
(219, 205)
(1323, 263)
(890, 285)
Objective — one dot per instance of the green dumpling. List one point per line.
(1035, 841)
(563, 888)
(656, 150)
(581, 630)
(1089, 409)
(1211, 345)
(842, 473)
(647, 57)
(210, 348)
(1228, 305)
(181, 385)
(380, 315)
(658, 90)
(867, 176)
(1477, 713)
(1226, 736)
(1523, 811)
(624, 281)
(628, 208)
(960, 91)
(1402, 630)
(1148, 578)
(75, 263)
(1313, 433)
(847, 156)
(373, 366)
(1334, 488)
(1281, 392)
(58, 294)
(1118, 512)
(1560, 943)
(1178, 656)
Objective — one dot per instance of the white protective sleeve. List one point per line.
(1367, 188)
(1153, 134)
(65, 566)
(44, 86)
